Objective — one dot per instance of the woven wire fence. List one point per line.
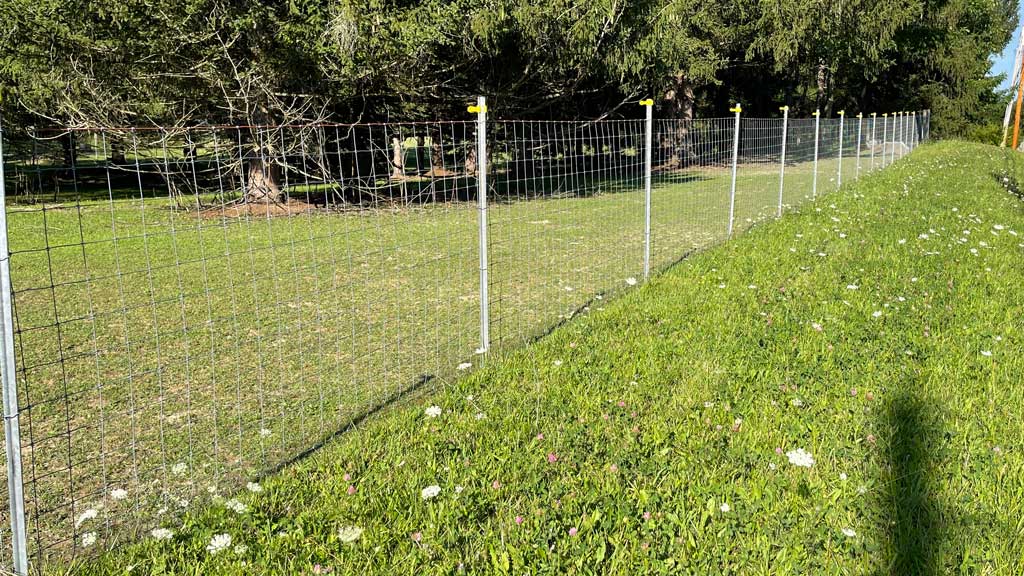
(193, 309)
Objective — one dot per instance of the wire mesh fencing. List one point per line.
(188, 310)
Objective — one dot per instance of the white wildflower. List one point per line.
(986, 352)
(459, 489)
(480, 416)
(118, 493)
(877, 313)
(254, 487)
(631, 281)
(852, 287)
(236, 506)
(433, 411)
(464, 366)
(218, 543)
(179, 469)
(241, 549)
(849, 533)
(349, 534)
(162, 533)
(842, 476)
(88, 539)
(724, 507)
(264, 432)
(430, 492)
(800, 457)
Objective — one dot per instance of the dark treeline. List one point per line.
(193, 62)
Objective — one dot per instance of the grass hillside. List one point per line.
(837, 392)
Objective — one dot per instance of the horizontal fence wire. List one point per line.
(196, 308)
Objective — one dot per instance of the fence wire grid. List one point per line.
(192, 309)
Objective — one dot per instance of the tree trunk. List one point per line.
(262, 183)
(397, 159)
(824, 100)
(679, 106)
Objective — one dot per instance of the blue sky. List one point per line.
(1002, 63)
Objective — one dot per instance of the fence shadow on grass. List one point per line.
(914, 520)
(419, 387)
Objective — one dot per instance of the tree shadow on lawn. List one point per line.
(912, 515)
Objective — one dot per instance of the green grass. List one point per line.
(150, 339)
(676, 398)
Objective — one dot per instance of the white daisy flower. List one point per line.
(631, 281)
(88, 539)
(162, 533)
(218, 543)
(236, 506)
(459, 489)
(433, 411)
(724, 507)
(800, 457)
(254, 487)
(430, 492)
(349, 534)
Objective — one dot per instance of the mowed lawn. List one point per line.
(837, 392)
(167, 357)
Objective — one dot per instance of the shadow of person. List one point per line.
(914, 526)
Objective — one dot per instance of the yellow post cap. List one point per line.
(842, 112)
(737, 109)
(648, 102)
(784, 109)
(477, 109)
(816, 113)
(860, 114)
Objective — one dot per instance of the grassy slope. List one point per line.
(687, 387)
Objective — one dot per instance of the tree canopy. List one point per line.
(118, 62)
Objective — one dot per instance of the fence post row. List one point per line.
(782, 159)
(648, 142)
(12, 426)
(481, 193)
(814, 180)
(735, 157)
(913, 129)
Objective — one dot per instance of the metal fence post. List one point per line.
(839, 178)
(893, 153)
(860, 127)
(885, 134)
(735, 158)
(874, 122)
(648, 140)
(12, 430)
(814, 180)
(481, 193)
(782, 160)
